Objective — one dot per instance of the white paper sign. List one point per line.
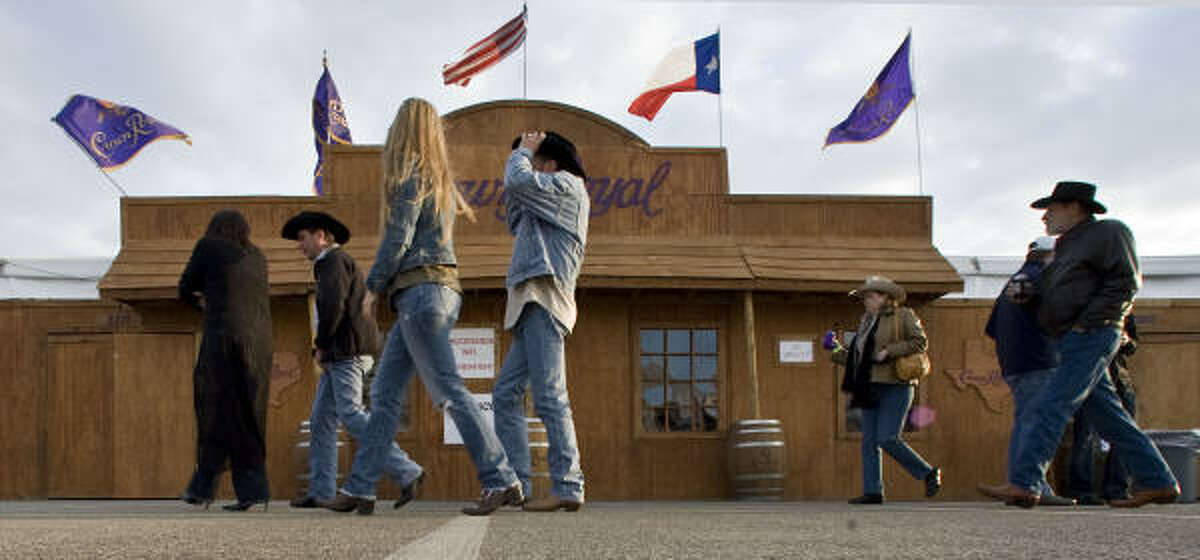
(450, 434)
(795, 351)
(474, 352)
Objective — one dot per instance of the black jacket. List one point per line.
(1093, 277)
(343, 331)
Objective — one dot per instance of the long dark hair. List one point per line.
(231, 226)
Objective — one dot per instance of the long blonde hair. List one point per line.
(416, 145)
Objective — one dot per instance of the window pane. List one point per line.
(679, 341)
(706, 394)
(652, 341)
(710, 418)
(652, 408)
(679, 419)
(652, 369)
(706, 367)
(679, 368)
(705, 341)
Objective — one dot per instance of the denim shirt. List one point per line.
(413, 236)
(548, 217)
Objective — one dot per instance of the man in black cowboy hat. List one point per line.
(345, 343)
(548, 207)
(1084, 297)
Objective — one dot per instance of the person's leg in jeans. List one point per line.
(1116, 476)
(1081, 460)
(346, 378)
(1112, 422)
(1025, 386)
(322, 446)
(1084, 358)
(429, 343)
(547, 369)
(872, 459)
(387, 399)
(894, 402)
(508, 408)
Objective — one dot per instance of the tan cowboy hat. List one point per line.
(881, 284)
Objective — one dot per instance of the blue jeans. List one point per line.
(339, 398)
(1025, 388)
(881, 428)
(537, 358)
(1081, 382)
(419, 342)
(1115, 485)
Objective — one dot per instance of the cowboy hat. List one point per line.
(881, 284)
(309, 220)
(556, 147)
(1067, 191)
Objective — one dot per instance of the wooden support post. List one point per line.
(751, 351)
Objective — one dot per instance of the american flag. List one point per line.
(485, 53)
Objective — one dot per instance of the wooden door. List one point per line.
(154, 425)
(79, 416)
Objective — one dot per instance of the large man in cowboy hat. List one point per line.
(345, 343)
(1084, 297)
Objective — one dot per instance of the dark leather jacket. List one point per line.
(343, 331)
(1092, 279)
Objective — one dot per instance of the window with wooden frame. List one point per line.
(678, 369)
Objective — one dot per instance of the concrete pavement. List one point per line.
(169, 529)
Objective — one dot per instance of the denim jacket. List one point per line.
(548, 217)
(414, 236)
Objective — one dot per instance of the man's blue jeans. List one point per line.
(1081, 382)
(881, 427)
(1025, 387)
(1115, 485)
(339, 398)
(537, 358)
(419, 342)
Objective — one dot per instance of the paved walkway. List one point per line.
(926, 530)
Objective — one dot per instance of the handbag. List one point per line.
(911, 367)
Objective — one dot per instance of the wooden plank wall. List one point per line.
(23, 382)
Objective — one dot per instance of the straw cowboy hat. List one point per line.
(1066, 191)
(309, 220)
(881, 284)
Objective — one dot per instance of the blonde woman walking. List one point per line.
(415, 272)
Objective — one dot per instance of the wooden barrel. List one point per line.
(757, 459)
(539, 463)
(302, 440)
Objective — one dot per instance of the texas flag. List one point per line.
(694, 67)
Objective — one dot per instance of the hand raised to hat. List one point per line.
(532, 140)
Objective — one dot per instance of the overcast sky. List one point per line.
(1011, 97)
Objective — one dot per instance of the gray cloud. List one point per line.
(1011, 99)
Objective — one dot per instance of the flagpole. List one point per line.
(98, 168)
(916, 118)
(325, 67)
(525, 55)
(111, 180)
(720, 114)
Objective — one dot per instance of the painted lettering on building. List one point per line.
(605, 193)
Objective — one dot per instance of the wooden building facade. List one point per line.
(697, 308)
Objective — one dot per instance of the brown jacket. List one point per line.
(910, 341)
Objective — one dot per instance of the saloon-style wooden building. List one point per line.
(697, 308)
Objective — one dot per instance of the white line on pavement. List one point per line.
(458, 539)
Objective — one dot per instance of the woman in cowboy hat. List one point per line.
(886, 331)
